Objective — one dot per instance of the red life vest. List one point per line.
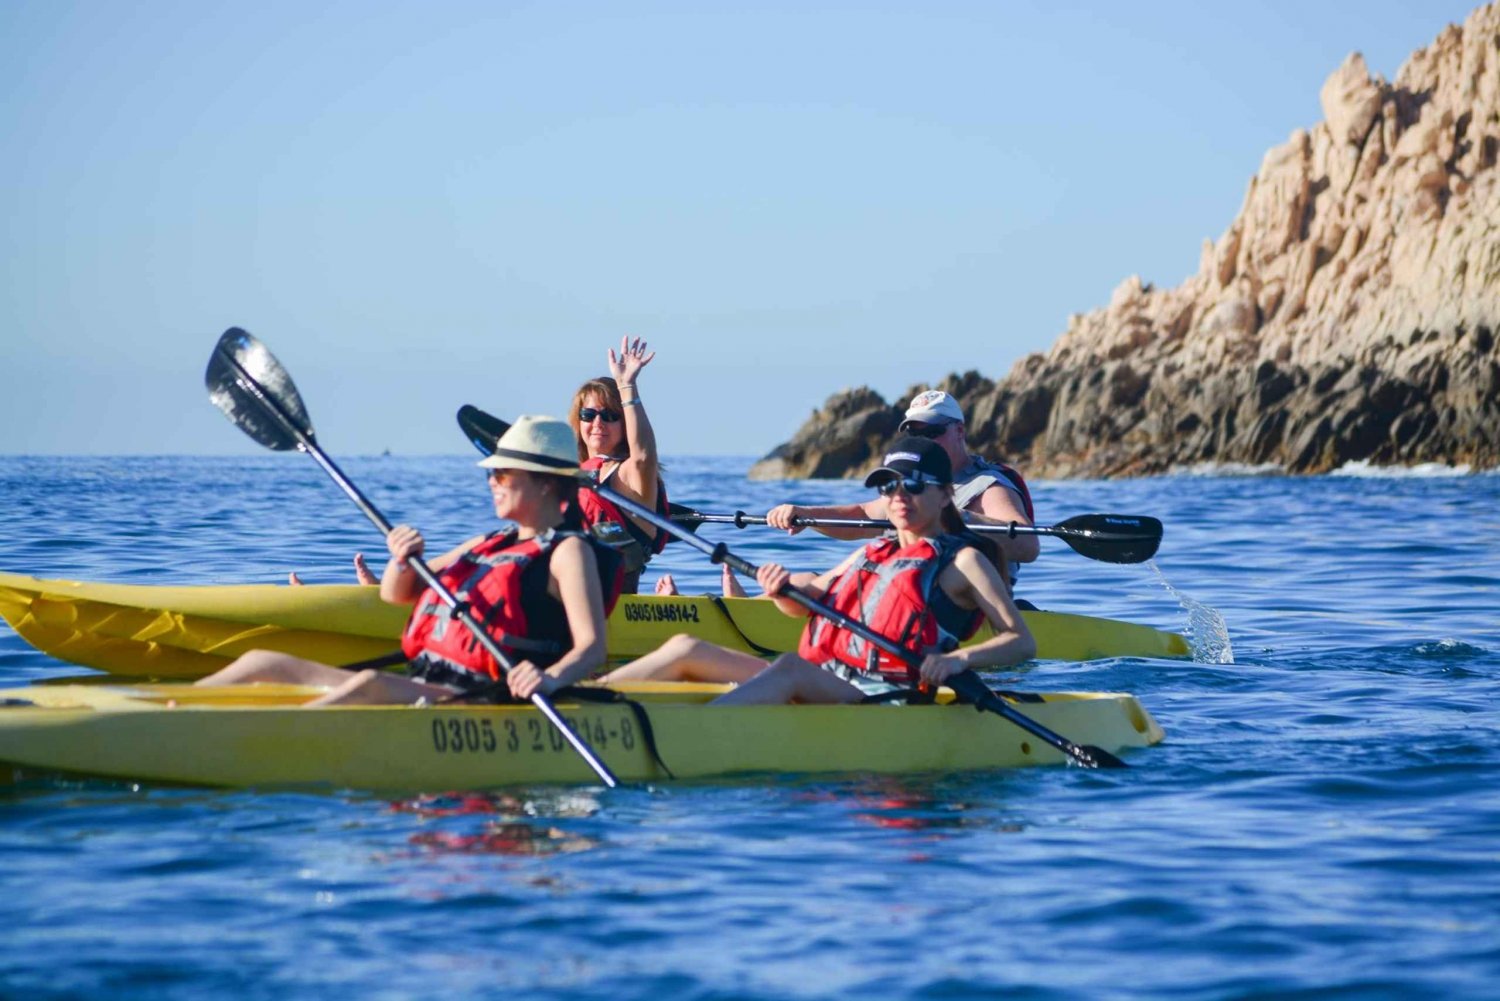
(1015, 477)
(983, 474)
(504, 582)
(894, 591)
(614, 527)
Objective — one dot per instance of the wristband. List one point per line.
(635, 402)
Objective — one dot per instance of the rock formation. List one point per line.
(1349, 312)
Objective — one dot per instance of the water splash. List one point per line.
(1206, 631)
(1364, 469)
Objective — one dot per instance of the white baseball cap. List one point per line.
(933, 406)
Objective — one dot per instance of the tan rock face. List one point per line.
(1348, 312)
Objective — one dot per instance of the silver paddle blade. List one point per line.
(247, 382)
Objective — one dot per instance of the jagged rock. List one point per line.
(840, 438)
(1347, 312)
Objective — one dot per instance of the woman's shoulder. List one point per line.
(573, 546)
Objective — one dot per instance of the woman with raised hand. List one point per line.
(617, 445)
(536, 587)
(926, 588)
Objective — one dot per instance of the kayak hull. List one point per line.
(260, 736)
(191, 631)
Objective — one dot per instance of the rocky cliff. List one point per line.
(1348, 312)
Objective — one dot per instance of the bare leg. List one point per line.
(282, 668)
(791, 679)
(377, 688)
(687, 658)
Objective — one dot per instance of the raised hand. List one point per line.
(632, 358)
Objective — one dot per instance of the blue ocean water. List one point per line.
(1322, 821)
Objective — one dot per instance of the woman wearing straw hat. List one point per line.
(535, 587)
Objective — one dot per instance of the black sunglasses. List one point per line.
(587, 414)
(926, 430)
(911, 486)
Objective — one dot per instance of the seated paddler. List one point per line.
(984, 491)
(928, 587)
(542, 588)
(617, 446)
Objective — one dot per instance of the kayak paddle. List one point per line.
(966, 683)
(255, 392)
(1109, 538)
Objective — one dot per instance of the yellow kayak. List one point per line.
(190, 631)
(258, 735)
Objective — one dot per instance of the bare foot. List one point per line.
(731, 583)
(293, 579)
(665, 585)
(362, 572)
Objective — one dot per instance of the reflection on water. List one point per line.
(506, 827)
(504, 838)
(905, 803)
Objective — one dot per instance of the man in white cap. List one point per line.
(984, 491)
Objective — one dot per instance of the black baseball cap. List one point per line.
(913, 455)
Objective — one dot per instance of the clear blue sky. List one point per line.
(422, 205)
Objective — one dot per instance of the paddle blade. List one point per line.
(482, 429)
(968, 686)
(255, 392)
(1111, 538)
(684, 516)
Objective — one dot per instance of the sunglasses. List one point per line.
(914, 487)
(927, 430)
(587, 414)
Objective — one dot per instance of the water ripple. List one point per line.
(1320, 822)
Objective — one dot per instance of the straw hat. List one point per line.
(537, 445)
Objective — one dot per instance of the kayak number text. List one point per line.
(526, 736)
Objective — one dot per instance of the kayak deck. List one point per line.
(261, 736)
(190, 631)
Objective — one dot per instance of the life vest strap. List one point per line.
(642, 718)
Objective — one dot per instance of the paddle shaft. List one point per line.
(965, 681)
(1010, 530)
(1110, 538)
(306, 444)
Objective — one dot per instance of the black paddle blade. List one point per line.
(482, 429)
(255, 392)
(1112, 538)
(686, 517)
(970, 688)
